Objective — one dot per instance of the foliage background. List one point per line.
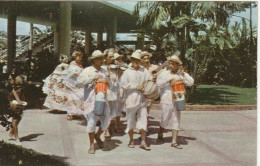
(213, 51)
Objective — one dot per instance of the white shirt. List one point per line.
(87, 78)
(130, 80)
(165, 87)
(73, 72)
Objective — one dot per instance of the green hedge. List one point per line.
(11, 155)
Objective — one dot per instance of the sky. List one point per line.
(24, 28)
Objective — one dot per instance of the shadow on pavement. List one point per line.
(154, 128)
(79, 117)
(57, 112)
(30, 137)
(109, 145)
(182, 140)
(83, 122)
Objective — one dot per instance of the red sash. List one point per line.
(178, 87)
(101, 87)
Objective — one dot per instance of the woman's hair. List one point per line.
(64, 58)
(76, 53)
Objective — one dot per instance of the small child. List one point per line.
(16, 98)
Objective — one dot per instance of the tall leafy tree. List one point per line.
(200, 29)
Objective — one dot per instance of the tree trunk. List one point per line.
(251, 46)
(195, 67)
(251, 30)
(31, 36)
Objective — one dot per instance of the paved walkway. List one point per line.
(212, 138)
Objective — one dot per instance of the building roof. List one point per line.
(93, 15)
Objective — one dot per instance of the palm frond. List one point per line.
(189, 53)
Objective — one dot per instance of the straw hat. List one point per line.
(111, 50)
(110, 54)
(135, 55)
(175, 59)
(96, 54)
(146, 53)
(105, 52)
(138, 51)
(116, 55)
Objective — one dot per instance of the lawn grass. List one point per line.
(222, 95)
(11, 155)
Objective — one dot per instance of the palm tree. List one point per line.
(218, 13)
(168, 21)
(200, 29)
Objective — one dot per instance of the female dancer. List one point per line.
(56, 86)
(76, 95)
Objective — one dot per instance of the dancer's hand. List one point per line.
(102, 80)
(174, 82)
(96, 78)
(13, 106)
(181, 70)
(154, 77)
(139, 87)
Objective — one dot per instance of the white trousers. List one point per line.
(92, 120)
(136, 118)
(170, 117)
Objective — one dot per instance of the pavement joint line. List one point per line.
(229, 159)
(207, 146)
(247, 117)
(215, 151)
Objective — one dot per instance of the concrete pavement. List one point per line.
(211, 138)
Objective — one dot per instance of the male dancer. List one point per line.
(132, 82)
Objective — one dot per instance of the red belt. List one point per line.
(178, 87)
(101, 87)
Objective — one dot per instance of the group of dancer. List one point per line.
(103, 91)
